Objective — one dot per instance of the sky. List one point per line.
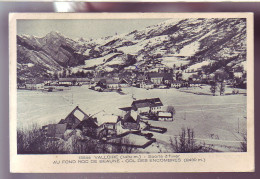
(86, 28)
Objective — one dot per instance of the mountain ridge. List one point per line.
(182, 42)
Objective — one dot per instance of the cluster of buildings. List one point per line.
(110, 82)
(141, 80)
(108, 128)
(159, 80)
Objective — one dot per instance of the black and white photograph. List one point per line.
(132, 86)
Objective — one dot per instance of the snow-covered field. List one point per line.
(174, 60)
(214, 119)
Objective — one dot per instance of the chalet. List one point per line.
(128, 122)
(107, 130)
(123, 83)
(149, 85)
(50, 82)
(88, 127)
(156, 78)
(164, 116)
(74, 118)
(107, 125)
(146, 84)
(34, 86)
(167, 79)
(83, 81)
(112, 83)
(108, 83)
(67, 81)
(102, 83)
(68, 124)
(141, 78)
(125, 110)
(73, 81)
(147, 105)
(96, 80)
(184, 83)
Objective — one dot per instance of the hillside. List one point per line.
(190, 43)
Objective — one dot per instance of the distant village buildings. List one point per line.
(34, 86)
(147, 105)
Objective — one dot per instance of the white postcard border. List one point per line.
(213, 162)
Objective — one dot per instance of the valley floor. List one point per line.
(217, 120)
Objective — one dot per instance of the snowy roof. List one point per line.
(112, 81)
(34, 81)
(164, 114)
(123, 81)
(106, 118)
(129, 118)
(74, 117)
(74, 79)
(153, 102)
(126, 108)
(130, 68)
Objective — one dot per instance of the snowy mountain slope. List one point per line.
(175, 42)
(196, 39)
(50, 53)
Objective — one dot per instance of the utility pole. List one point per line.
(237, 125)
(72, 98)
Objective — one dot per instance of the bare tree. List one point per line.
(33, 141)
(243, 145)
(171, 109)
(186, 143)
(123, 146)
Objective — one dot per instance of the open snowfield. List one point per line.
(214, 119)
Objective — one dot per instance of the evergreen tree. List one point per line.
(213, 88)
(222, 88)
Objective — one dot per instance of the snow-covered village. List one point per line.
(174, 86)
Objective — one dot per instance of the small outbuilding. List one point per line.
(165, 116)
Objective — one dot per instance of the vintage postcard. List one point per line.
(131, 92)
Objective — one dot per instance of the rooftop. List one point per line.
(74, 79)
(153, 102)
(126, 109)
(164, 114)
(106, 118)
